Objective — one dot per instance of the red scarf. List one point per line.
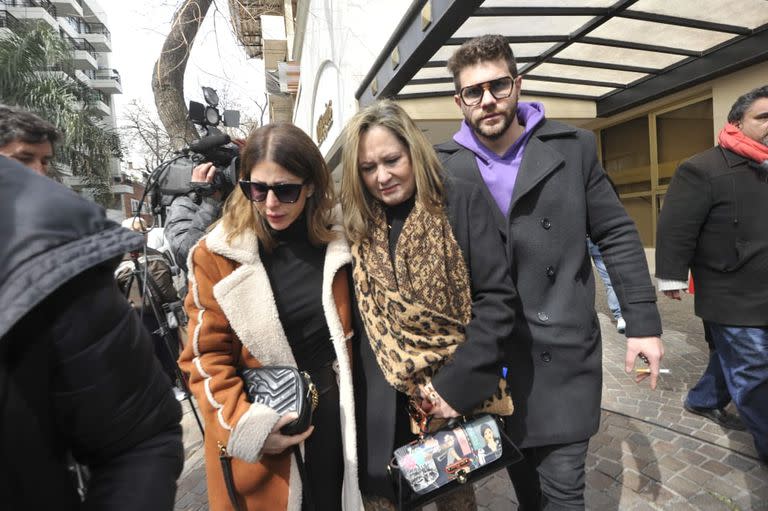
(733, 139)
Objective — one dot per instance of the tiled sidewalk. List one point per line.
(649, 452)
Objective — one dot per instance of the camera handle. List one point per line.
(163, 330)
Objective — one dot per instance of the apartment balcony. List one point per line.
(121, 188)
(84, 76)
(78, 184)
(56, 71)
(107, 80)
(100, 104)
(97, 34)
(70, 26)
(8, 23)
(37, 10)
(93, 12)
(68, 7)
(102, 109)
(84, 54)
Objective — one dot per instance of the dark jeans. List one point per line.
(551, 477)
(710, 391)
(739, 363)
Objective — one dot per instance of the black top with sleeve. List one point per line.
(295, 270)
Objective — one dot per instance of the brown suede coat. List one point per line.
(233, 323)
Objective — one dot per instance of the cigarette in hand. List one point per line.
(647, 370)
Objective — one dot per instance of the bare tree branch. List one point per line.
(144, 135)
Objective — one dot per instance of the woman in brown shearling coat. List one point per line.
(269, 285)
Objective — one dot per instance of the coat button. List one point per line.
(550, 272)
(543, 316)
(545, 223)
(546, 357)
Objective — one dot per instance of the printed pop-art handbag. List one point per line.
(462, 452)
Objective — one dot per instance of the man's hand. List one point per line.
(651, 351)
(276, 442)
(675, 294)
(204, 173)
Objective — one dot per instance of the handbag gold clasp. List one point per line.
(311, 390)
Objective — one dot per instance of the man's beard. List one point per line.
(497, 131)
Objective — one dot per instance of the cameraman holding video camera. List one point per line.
(190, 215)
(192, 211)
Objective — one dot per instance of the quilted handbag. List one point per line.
(461, 452)
(284, 389)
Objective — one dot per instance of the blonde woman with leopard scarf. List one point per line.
(432, 287)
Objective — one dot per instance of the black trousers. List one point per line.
(323, 451)
(551, 477)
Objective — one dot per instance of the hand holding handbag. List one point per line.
(284, 389)
(462, 452)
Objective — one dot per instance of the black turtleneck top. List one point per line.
(295, 270)
(396, 216)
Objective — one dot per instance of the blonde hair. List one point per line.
(292, 149)
(355, 199)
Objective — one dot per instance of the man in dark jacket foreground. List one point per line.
(77, 371)
(714, 222)
(548, 191)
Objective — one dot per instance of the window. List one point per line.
(626, 155)
(135, 207)
(641, 155)
(680, 134)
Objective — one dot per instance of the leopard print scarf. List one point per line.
(415, 314)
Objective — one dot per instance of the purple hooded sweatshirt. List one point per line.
(500, 172)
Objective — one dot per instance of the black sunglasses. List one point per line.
(500, 88)
(257, 192)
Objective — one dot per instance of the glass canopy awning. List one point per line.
(617, 53)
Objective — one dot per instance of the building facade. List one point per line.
(84, 25)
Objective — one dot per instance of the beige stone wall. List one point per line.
(727, 89)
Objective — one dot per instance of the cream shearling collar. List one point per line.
(247, 300)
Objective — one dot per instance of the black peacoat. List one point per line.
(713, 222)
(554, 355)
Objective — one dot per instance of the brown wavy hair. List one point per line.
(291, 148)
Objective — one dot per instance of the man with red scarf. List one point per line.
(715, 222)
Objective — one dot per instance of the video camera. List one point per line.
(215, 147)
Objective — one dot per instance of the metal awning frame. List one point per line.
(429, 25)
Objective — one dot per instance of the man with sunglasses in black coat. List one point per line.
(548, 191)
(78, 376)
